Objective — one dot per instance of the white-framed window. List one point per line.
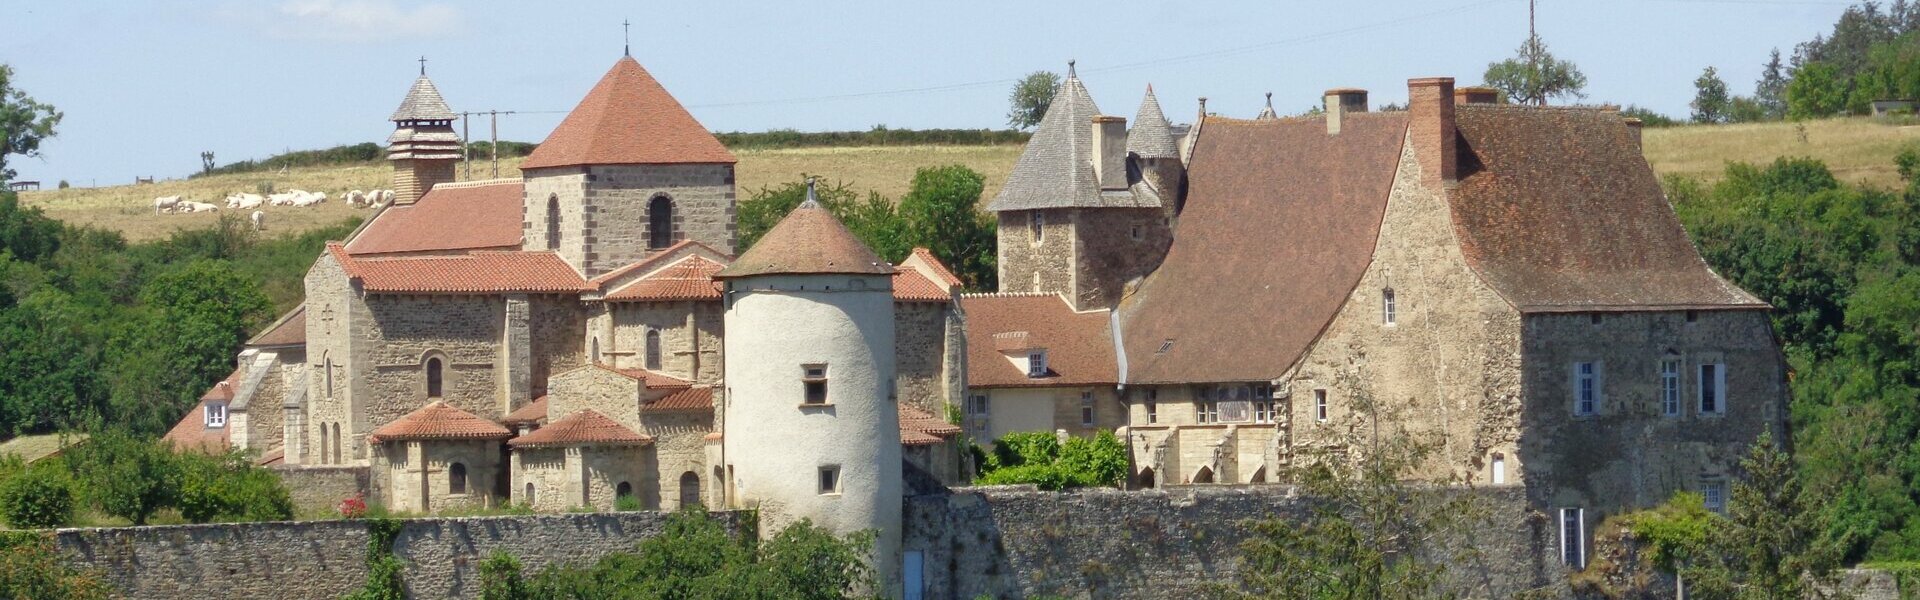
(830, 479)
(1387, 306)
(1714, 491)
(1207, 410)
(814, 379)
(1320, 405)
(1086, 409)
(1037, 363)
(1037, 226)
(1573, 537)
(1713, 388)
(1499, 469)
(977, 405)
(1586, 388)
(216, 414)
(1153, 406)
(1670, 386)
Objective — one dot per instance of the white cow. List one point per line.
(283, 198)
(259, 219)
(309, 199)
(245, 201)
(189, 206)
(382, 197)
(355, 199)
(165, 204)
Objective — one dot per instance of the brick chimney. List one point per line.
(1339, 102)
(1430, 129)
(1476, 95)
(1633, 131)
(1110, 151)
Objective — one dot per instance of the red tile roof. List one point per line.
(690, 278)
(940, 269)
(450, 218)
(1238, 303)
(532, 412)
(582, 428)
(1079, 345)
(628, 118)
(652, 379)
(807, 241)
(482, 272)
(909, 285)
(919, 428)
(439, 421)
(191, 433)
(289, 330)
(693, 398)
(1558, 210)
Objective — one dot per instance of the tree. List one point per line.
(125, 476)
(192, 319)
(1534, 76)
(1038, 458)
(1770, 545)
(24, 123)
(1030, 98)
(1816, 92)
(1710, 102)
(942, 213)
(31, 567)
(1771, 90)
(697, 557)
(38, 497)
(873, 220)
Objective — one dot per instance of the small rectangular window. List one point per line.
(1573, 537)
(977, 405)
(830, 479)
(1037, 226)
(1670, 387)
(1320, 405)
(216, 415)
(1586, 388)
(1595, 317)
(1206, 410)
(814, 378)
(1153, 406)
(1499, 469)
(1262, 404)
(1715, 493)
(1037, 364)
(1136, 233)
(1086, 409)
(1713, 388)
(1386, 306)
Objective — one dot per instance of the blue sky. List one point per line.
(147, 86)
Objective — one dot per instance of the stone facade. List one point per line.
(924, 335)
(689, 335)
(1030, 263)
(604, 210)
(419, 476)
(1088, 254)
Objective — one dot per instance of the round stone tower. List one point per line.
(810, 422)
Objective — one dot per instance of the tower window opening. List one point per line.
(814, 379)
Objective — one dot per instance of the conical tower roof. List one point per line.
(1056, 169)
(808, 241)
(1152, 136)
(423, 103)
(628, 119)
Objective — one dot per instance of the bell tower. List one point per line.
(423, 146)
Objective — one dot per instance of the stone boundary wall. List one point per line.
(317, 490)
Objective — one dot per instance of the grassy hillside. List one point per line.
(129, 208)
(1858, 150)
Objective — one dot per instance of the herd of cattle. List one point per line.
(244, 201)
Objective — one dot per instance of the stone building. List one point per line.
(1035, 364)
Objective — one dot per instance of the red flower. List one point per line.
(354, 507)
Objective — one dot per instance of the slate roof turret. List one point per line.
(423, 103)
(1056, 169)
(1267, 114)
(1152, 136)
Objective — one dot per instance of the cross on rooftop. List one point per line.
(423, 66)
(626, 37)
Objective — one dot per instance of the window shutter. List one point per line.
(1720, 387)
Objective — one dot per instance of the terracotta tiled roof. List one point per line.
(941, 272)
(1237, 303)
(922, 422)
(192, 433)
(690, 278)
(586, 427)
(1079, 345)
(693, 398)
(289, 330)
(223, 390)
(484, 272)
(652, 379)
(439, 421)
(911, 286)
(1558, 210)
(808, 241)
(532, 412)
(450, 218)
(628, 118)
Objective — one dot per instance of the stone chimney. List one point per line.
(1339, 102)
(1430, 129)
(1633, 131)
(1476, 95)
(1110, 152)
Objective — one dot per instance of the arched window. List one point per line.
(595, 355)
(327, 366)
(653, 349)
(659, 222)
(553, 222)
(689, 489)
(526, 499)
(457, 479)
(1204, 476)
(326, 443)
(434, 380)
(624, 490)
(336, 443)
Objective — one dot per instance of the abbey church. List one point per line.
(1231, 298)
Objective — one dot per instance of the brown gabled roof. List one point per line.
(942, 274)
(451, 218)
(919, 427)
(909, 285)
(690, 278)
(484, 272)
(652, 379)
(1237, 303)
(628, 118)
(808, 241)
(693, 398)
(586, 427)
(1557, 210)
(439, 421)
(289, 330)
(1079, 345)
(533, 412)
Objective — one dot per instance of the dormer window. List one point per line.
(1037, 363)
(814, 379)
(216, 414)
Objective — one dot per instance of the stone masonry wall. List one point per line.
(689, 337)
(603, 210)
(920, 345)
(680, 447)
(319, 490)
(1116, 246)
(1030, 266)
(463, 331)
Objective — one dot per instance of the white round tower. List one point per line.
(810, 422)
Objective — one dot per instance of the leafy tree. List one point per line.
(24, 123)
(1710, 101)
(230, 488)
(1534, 76)
(125, 476)
(1038, 458)
(1770, 545)
(1647, 117)
(942, 213)
(195, 316)
(1770, 92)
(49, 371)
(1030, 98)
(31, 567)
(25, 232)
(500, 578)
(697, 557)
(1815, 92)
(38, 497)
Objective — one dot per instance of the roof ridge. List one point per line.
(455, 185)
(1007, 294)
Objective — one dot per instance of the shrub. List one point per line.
(354, 507)
(125, 476)
(230, 488)
(500, 578)
(30, 567)
(40, 497)
(1040, 459)
(627, 503)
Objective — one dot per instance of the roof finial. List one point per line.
(811, 199)
(1070, 73)
(1203, 107)
(423, 65)
(626, 37)
(1269, 100)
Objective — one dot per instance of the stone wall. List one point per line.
(462, 331)
(1115, 246)
(319, 490)
(920, 353)
(689, 338)
(1045, 265)
(679, 447)
(603, 210)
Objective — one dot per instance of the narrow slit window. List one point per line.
(1670, 387)
(1586, 386)
(435, 379)
(1086, 409)
(814, 378)
(830, 479)
(1573, 538)
(1713, 388)
(1153, 406)
(1320, 405)
(1387, 308)
(1037, 226)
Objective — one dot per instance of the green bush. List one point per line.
(40, 497)
(1038, 458)
(230, 488)
(500, 578)
(30, 567)
(628, 503)
(125, 476)
(697, 557)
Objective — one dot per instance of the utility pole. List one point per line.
(495, 143)
(1533, 56)
(466, 147)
